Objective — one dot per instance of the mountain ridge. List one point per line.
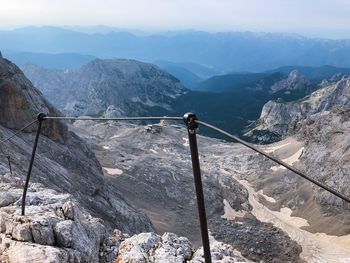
(224, 51)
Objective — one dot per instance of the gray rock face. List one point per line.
(45, 234)
(294, 81)
(279, 119)
(133, 86)
(220, 252)
(321, 121)
(150, 247)
(326, 155)
(20, 103)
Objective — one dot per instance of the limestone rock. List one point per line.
(130, 85)
(279, 119)
(150, 247)
(220, 253)
(21, 102)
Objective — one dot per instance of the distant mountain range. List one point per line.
(224, 52)
(50, 61)
(129, 87)
(234, 82)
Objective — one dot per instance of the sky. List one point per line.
(315, 18)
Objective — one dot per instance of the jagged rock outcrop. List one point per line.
(150, 247)
(294, 81)
(279, 118)
(54, 229)
(134, 87)
(326, 155)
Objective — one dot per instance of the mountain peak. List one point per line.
(294, 81)
(295, 75)
(130, 85)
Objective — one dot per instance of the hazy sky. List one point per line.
(309, 17)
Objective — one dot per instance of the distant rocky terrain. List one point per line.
(127, 86)
(279, 119)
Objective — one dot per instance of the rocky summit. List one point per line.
(129, 86)
(294, 81)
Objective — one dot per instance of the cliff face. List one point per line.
(20, 103)
(131, 86)
(321, 121)
(278, 119)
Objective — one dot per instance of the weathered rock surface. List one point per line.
(54, 229)
(20, 103)
(57, 230)
(294, 81)
(150, 247)
(155, 160)
(133, 87)
(220, 252)
(326, 155)
(321, 121)
(257, 241)
(278, 119)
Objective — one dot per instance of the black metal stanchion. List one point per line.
(9, 161)
(40, 118)
(190, 120)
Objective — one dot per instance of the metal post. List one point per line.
(9, 160)
(192, 126)
(40, 118)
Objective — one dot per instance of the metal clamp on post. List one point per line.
(192, 126)
(40, 118)
(190, 121)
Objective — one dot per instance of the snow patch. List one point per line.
(267, 198)
(290, 160)
(230, 213)
(113, 171)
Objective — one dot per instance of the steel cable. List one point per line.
(114, 119)
(19, 131)
(276, 160)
